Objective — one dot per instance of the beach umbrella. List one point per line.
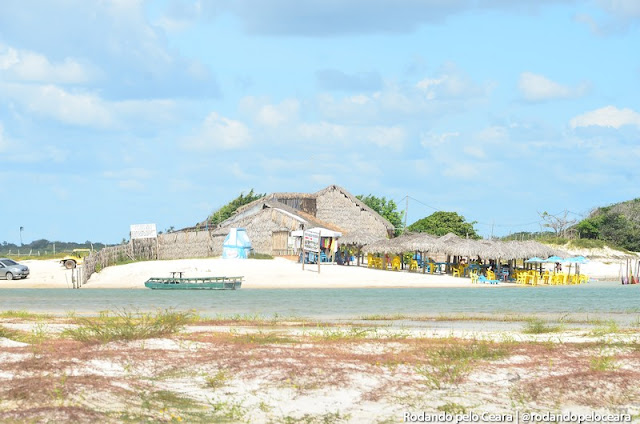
(576, 260)
(535, 260)
(554, 259)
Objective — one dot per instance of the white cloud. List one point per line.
(391, 137)
(493, 134)
(277, 115)
(128, 173)
(268, 114)
(218, 132)
(435, 140)
(608, 116)
(87, 109)
(475, 151)
(535, 88)
(623, 8)
(23, 65)
(4, 142)
(51, 101)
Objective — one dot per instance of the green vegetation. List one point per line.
(386, 208)
(126, 325)
(448, 364)
(618, 224)
(227, 210)
(44, 249)
(254, 255)
(440, 223)
(218, 380)
(537, 326)
(603, 363)
(25, 315)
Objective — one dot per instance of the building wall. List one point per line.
(186, 244)
(261, 226)
(334, 207)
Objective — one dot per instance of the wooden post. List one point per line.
(319, 249)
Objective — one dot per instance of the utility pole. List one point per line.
(406, 210)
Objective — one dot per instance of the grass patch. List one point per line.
(609, 327)
(538, 326)
(449, 364)
(328, 418)
(218, 380)
(26, 315)
(8, 333)
(127, 325)
(254, 255)
(385, 317)
(603, 363)
(452, 408)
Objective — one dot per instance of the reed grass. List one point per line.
(128, 325)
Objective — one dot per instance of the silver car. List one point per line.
(11, 269)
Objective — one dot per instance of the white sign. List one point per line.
(312, 241)
(143, 231)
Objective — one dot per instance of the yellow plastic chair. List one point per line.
(413, 266)
(455, 271)
(396, 263)
(370, 261)
(474, 277)
(521, 278)
(432, 267)
(491, 275)
(545, 279)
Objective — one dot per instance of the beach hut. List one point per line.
(236, 245)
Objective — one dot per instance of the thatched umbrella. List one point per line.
(358, 239)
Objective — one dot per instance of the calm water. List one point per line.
(603, 299)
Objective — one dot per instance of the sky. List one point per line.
(120, 112)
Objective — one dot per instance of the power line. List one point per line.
(422, 203)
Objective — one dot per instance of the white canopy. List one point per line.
(323, 232)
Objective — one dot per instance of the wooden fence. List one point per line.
(136, 250)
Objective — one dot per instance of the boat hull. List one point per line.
(211, 283)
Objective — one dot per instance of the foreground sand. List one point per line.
(276, 273)
(290, 372)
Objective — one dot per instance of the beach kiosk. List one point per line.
(236, 245)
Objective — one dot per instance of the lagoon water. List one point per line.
(593, 299)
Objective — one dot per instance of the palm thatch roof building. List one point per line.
(270, 220)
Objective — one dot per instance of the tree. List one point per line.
(558, 223)
(441, 223)
(227, 210)
(386, 208)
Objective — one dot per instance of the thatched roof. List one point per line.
(451, 244)
(307, 219)
(358, 203)
(359, 238)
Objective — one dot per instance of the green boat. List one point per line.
(194, 283)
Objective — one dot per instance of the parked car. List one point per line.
(11, 269)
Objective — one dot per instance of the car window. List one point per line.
(8, 262)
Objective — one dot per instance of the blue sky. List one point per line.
(118, 112)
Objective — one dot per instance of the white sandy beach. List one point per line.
(276, 273)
